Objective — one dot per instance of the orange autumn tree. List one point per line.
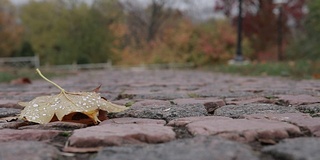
(218, 41)
(185, 42)
(10, 30)
(177, 38)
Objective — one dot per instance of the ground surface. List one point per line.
(173, 115)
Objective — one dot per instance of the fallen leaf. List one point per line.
(44, 109)
(23, 80)
(316, 76)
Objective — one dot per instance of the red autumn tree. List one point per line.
(260, 21)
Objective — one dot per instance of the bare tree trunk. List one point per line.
(145, 23)
(155, 19)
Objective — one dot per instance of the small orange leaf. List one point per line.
(23, 80)
(316, 76)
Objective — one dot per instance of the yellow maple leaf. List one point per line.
(43, 108)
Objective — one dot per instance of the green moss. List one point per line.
(129, 104)
(65, 134)
(193, 95)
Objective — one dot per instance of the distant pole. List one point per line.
(280, 57)
(279, 12)
(239, 56)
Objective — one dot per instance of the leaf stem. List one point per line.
(45, 78)
(62, 90)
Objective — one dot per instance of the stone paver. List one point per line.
(238, 111)
(174, 114)
(239, 129)
(204, 148)
(299, 99)
(247, 100)
(304, 121)
(165, 112)
(118, 132)
(156, 96)
(10, 104)
(27, 134)
(27, 150)
(150, 103)
(312, 109)
(211, 104)
(7, 112)
(65, 126)
(295, 149)
(181, 122)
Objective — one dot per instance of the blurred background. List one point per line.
(278, 37)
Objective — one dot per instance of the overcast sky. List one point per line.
(181, 5)
(202, 9)
(19, 1)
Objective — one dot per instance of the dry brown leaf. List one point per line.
(316, 76)
(23, 80)
(44, 108)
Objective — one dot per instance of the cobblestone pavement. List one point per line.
(174, 114)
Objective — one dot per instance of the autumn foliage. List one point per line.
(10, 30)
(66, 32)
(260, 23)
(185, 42)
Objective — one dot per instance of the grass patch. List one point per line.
(296, 70)
(6, 75)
